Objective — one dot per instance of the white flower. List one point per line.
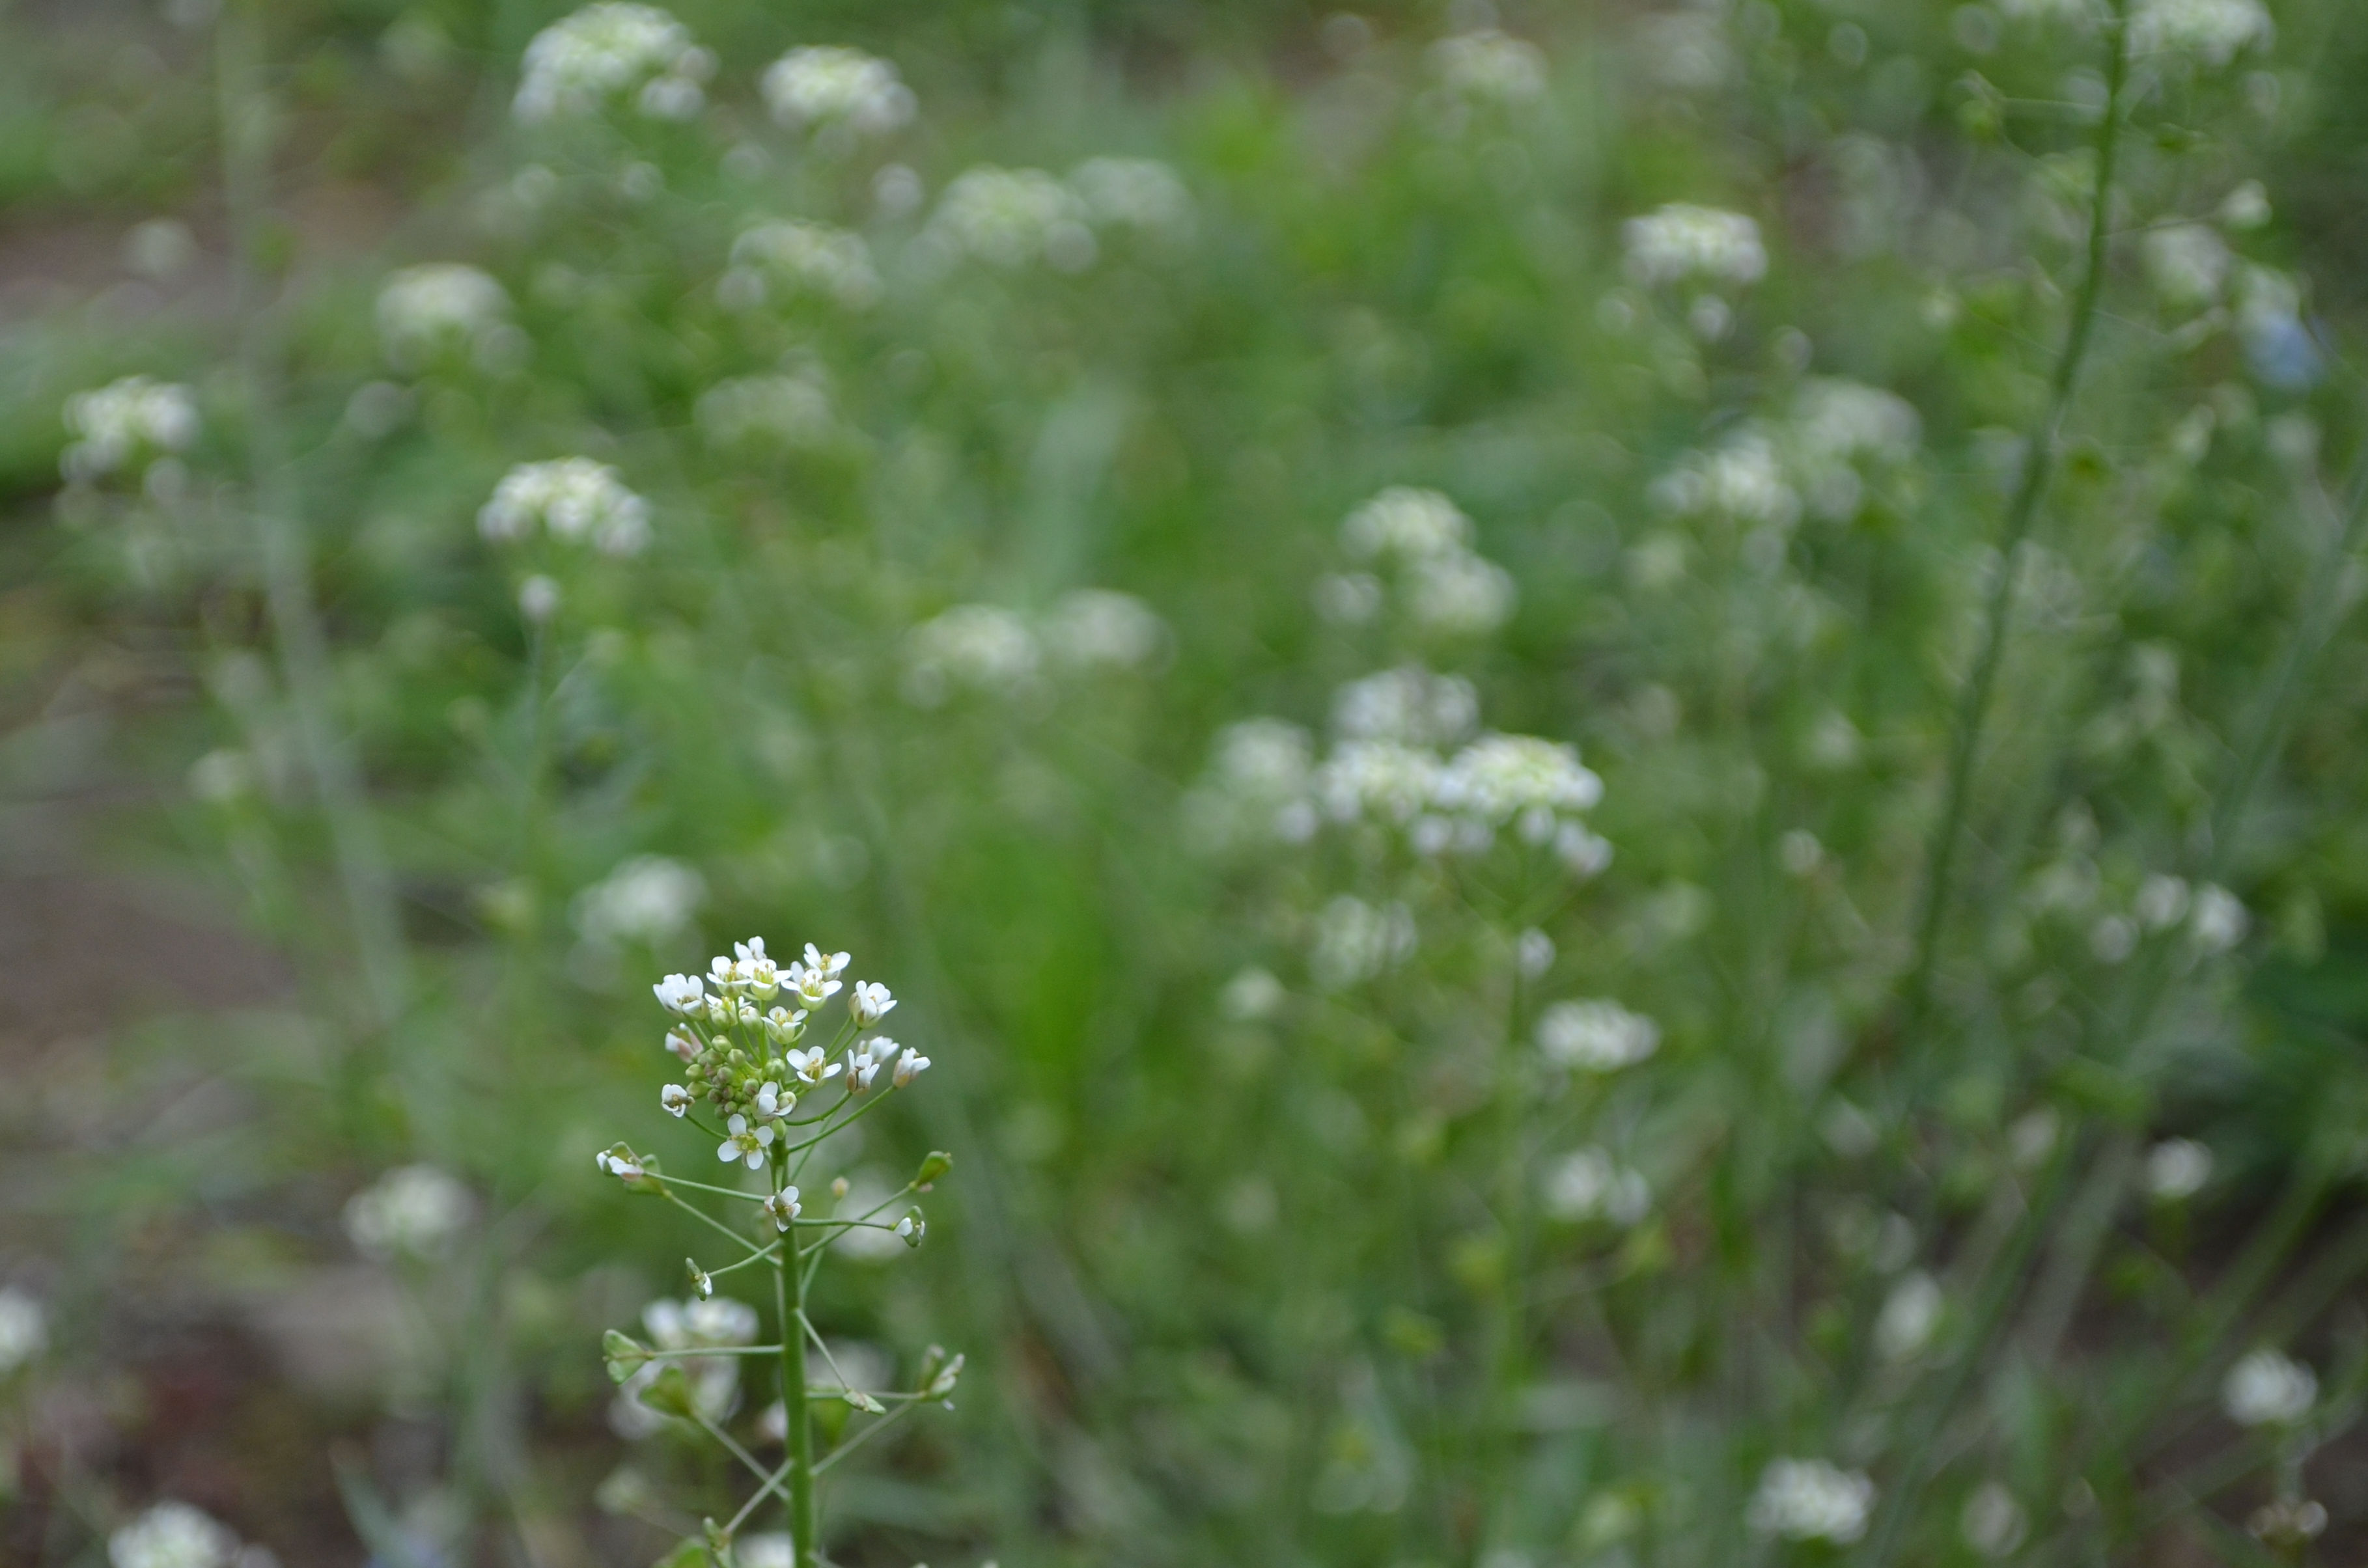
(981, 647)
(1586, 1183)
(1993, 1524)
(574, 500)
(1010, 218)
(2176, 1168)
(1251, 995)
(1097, 626)
(1379, 781)
(606, 51)
(742, 1143)
(125, 417)
(1459, 595)
(909, 1066)
(1354, 941)
(2267, 1388)
(619, 1162)
(765, 1548)
(1909, 1315)
(1811, 1500)
(1256, 787)
(829, 966)
(790, 410)
(1500, 777)
(426, 308)
(1596, 1036)
(869, 1003)
(172, 1534)
(811, 1065)
(823, 84)
(539, 599)
(783, 1027)
(2189, 264)
(1841, 421)
(1488, 66)
(941, 1379)
(682, 1044)
(813, 982)
(1682, 242)
(2214, 30)
(680, 992)
(675, 1099)
(1133, 193)
(24, 1329)
(2219, 921)
(2162, 902)
(783, 1207)
(647, 899)
(414, 1210)
(1404, 524)
(772, 1101)
(801, 258)
(1409, 705)
(1743, 480)
(861, 1069)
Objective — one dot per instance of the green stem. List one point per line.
(790, 1301)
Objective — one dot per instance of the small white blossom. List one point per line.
(941, 1379)
(790, 410)
(1256, 786)
(414, 1210)
(909, 1066)
(1355, 941)
(675, 1099)
(861, 1069)
(2189, 264)
(24, 1329)
(1743, 480)
(2219, 921)
(783, 1207)
(1011, 218)
(125, 418)
(1682, 242)
(608, 51)
(1099, 626)
(1994, 1523)
(1132, 193)
(648, 899)
(1409, 705)
(1404, 524)
(2176, 1168)
(2162, 902)
(977, 647)
(772, 1101)
(1586, 1183)
(172, 1534)
(1500, 779)
(440, 304)
(2268, 1389)
(744, 1143)
(1811, 1500)
(869, 1003)
(783, 1026)
(1909, 1315)
(574, 499)
(813, 1064)
(1488, 66)
(619, 1161)
(796, 258)
(1379, 781)
(682, 1043)
(2215, 31)
(1460, 596)
(823, 84)
(539, 599)
(1596, 1036)
(1252, 995)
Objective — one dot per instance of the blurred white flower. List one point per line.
(976, 647)
(1404, 525)
(822, 85)
(2188, 264)
(1587, 1182)
(1811, 1500)
(124, 418)
(1534, 953)
(172, 1534)
(539, 599)
(2176, 1168)
(1489, 67)
(1011, 218)
(1993, 1523)
(1743, 480)
(1379, 781)
(574, 499)
(1100, 626)
(439, 304)
(1461, 594)
(701, 1323)
(412, 1210)
(24, 1328)
(2219, 921)
(1257, 785)
(648, 899)
(791, 410)
(792, 256)
(2265, 1388)
(865, 1192)
(1514, 779)
(609, 50)
(2162, 903)
(1909, 1315)
(1682, 242)
(1596, 1036)
(1252, 995)
(2215, 31)
(1409, 705)
(1355, 941)
(765, 1548)
(1133, 193)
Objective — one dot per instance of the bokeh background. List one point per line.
(1296, 1217)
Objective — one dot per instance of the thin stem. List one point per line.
(2021, 515)
(865, 1435)
(791, 1305)
(708, 1220)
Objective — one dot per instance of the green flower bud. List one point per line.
(623, 1355)
(935, 1164)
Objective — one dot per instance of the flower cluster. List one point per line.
(414, 1211)
(607, 50)
(24, 1329)
(1409, 705)
(1536, 786)
(1682, 243)
(1010, 218)
(714, 1322)
(1811, 1500)
(574, 499)
(440, 305)
(646, 899)
(173, 1535)
(823, 87)
(1132, 193)
(1588, 1183)
(1490, 66)
(2266, 1389)
(986, 648)
(1596, 1036)
(790, 410)
(124, 419)
(1423, 541)
(791, 257)
(2215, 31)
(1354, 941)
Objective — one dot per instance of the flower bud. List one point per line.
(623, 1355)
(936, 1164)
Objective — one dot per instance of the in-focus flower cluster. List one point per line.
(789, 258)
(136, 416)
(610, 51)
(442, 306)
(826, 87)
(572, 499)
